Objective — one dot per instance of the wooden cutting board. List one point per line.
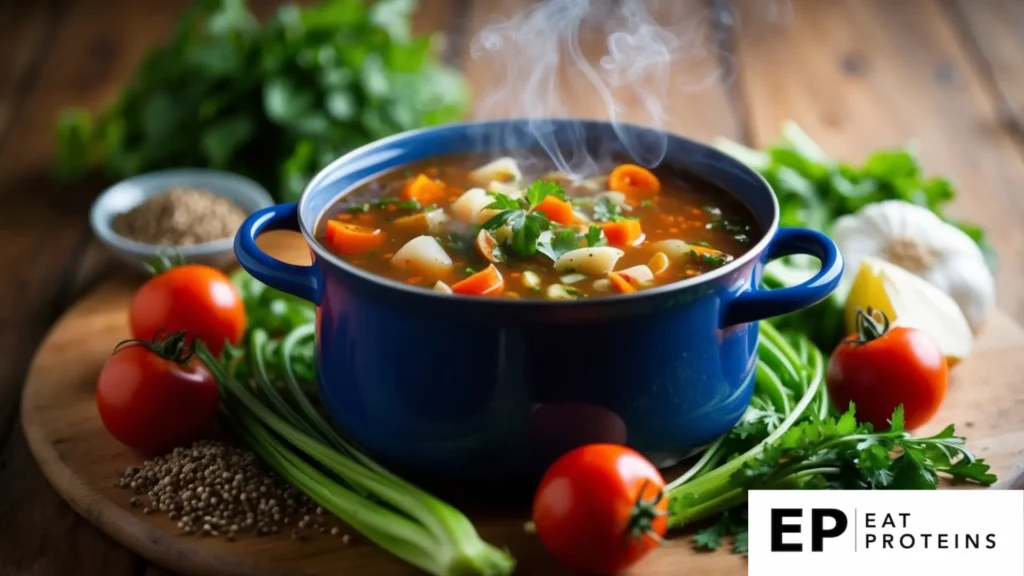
(986, 402)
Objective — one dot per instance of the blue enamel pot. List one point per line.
(465, 388)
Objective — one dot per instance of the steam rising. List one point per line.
(616, 60)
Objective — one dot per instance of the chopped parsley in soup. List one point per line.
(493, 231)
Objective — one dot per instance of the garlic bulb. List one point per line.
(917, 240)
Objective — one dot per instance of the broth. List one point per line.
(460, 225)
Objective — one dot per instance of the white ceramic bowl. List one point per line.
(129, 193)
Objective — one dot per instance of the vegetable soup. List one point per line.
(455, 226)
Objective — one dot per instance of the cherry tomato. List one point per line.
(154, 396)
(198, 299)
(600, 508)
(879, 367)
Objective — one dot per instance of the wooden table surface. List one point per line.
(856, 74)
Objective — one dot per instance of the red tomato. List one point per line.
(198, 299)
(879, 368)
(600, 508)
(154, 397)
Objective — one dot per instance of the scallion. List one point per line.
(286, 431)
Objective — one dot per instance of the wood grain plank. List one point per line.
(90, 55)
(514, 80)
(40, 534)
(859, 75)
(25, 28)
(995, 30)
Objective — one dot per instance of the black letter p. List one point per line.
(818, 532)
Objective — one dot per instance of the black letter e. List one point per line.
(779, 528)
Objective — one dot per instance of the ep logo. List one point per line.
(821, 523)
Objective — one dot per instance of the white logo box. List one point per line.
(933, 532)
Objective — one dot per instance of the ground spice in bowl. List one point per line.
(180, 216)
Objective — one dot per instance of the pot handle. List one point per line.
(296, 280)
(759, 304)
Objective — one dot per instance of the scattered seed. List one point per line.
(216, 489)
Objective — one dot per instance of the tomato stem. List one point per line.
(173, 347)
(644, 512)
(872, 324)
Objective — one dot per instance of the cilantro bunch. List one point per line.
(276, 101)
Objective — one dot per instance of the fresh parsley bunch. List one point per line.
(276, 101)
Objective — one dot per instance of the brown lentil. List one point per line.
(180, 217)
(217, 489)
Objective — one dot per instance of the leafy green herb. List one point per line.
(467, 271)
(646, 203)
(541, 189)
(732, 523)
(503, 202)
(595, 236)
(526, 225)
(607, 211)
(276, 101)
(408, 205)
(526, 231)
(361, 207)
(562, 241)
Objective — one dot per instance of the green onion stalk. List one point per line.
(284, 428)
(789, 386)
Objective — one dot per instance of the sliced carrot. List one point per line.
(348, 238)
(634, 181)
(622, 233)
(621, 283)
(487, 282)
(558, 211)
(659, 263)
(425, 190)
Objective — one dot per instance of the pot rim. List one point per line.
(753, 253)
